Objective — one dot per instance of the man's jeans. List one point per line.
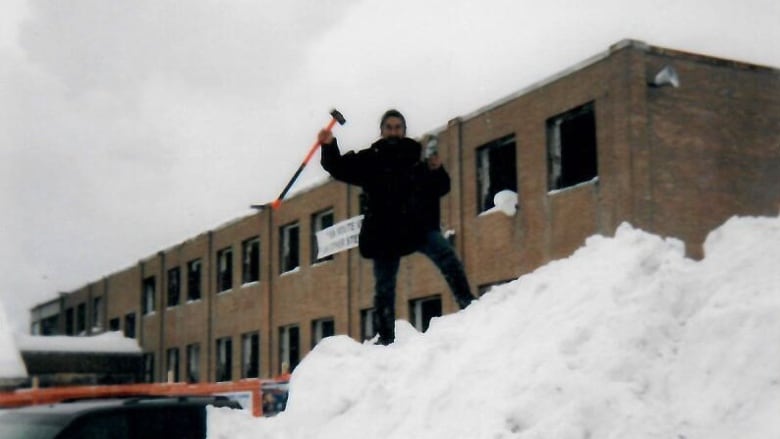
(441, 253)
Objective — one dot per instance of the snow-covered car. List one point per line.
(122, 418)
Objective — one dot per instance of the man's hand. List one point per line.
(434, 162)
(325, 137)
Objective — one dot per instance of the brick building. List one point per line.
(604, 142)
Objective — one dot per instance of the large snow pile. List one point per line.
(624, 339)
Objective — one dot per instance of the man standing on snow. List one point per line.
(400, 201)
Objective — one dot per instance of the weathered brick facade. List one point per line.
(675, 161)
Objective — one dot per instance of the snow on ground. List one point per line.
(624, 339)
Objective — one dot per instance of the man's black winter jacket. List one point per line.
(401, 193)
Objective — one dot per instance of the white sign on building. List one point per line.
(339, 237)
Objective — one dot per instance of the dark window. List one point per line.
(69, 321)
(288, 247)
(367, 331)
(320, 329)
(81, 318)
(193, 280)
(113, 324)
(148, 359)
(224, 269)
(130, 325)
(250, 250)
(250, 355)
(423, 310)
(193, 363)
(224, 359)
(496, 170)
(148, 289)
(319, 221)
(136, 422)
(571, 148)
(50, 325)
(289, 346)
(172, 366)
(174, 286)
(101, 425)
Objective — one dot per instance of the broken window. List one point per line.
(148, 359)
(289, 346)
(81, 319)
(571, 147)
(224, 269)
(224, 359)
(193, 363)
(130, 325)
(496, 170)
(173, 365)
(174, 286)
(288, 249)
(97, 313)
(250, 250)
(193, 280)
(320, 329)
(250, 355)
(69, 321)
(148, 289)
(421, 311)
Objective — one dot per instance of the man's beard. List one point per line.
(393, 140)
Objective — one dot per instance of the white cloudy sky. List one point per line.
(127, 127)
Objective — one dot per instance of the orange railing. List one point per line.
(248, 390)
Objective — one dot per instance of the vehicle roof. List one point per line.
(73, 408)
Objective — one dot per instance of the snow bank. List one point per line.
(624, 339)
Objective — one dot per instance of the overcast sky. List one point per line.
(128, 127)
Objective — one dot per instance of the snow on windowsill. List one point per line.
(250, 284)
(593, 180)
(293, 271)
(321, 263)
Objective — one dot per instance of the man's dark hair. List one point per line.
(392, 113)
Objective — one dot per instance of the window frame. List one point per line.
(173, 296)
(250, 260)
(193, 363)
(148, 298)
(485, 155)
(319, 330)
(289, 254)
(130, 322)
(172, 354)
(224, 269)
(417, 314)
(194, 280)
(286, 352)
(250, 367)
(223, 372)
(97, 313)
(316, 226)
(561, 175)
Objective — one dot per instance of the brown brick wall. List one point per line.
(715, 145)
(673, 161)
